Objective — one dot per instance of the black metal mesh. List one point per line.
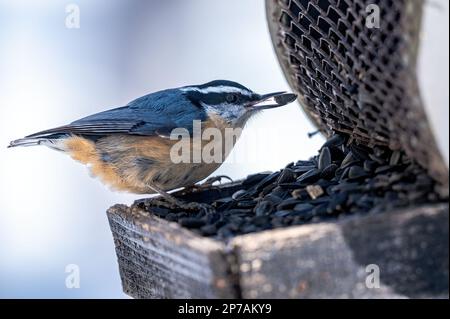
(357, 80)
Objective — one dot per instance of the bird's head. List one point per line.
(232, 102)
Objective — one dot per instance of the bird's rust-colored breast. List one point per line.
(86, 152)
(130, 163)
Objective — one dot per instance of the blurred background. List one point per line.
(52, 213)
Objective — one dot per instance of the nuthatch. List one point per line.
(129, 147)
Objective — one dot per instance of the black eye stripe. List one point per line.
(214, 98)
(194, 97)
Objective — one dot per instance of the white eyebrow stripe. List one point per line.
(217, 89)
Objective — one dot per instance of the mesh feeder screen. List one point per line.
(356, 79)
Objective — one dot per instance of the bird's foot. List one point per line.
(206, 184)
(169, 201)
(210, 181)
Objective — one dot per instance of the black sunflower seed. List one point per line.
(353, 199)
(190, 222)
(221, 201)
(172, 217)
(246, 203)
(225, 232)
(282, 213)
(275, 200)
(303, 169)
(268, 189)
(377, 159)
(335, 140)
(291, 186)
(348, 160)
(370, 166)
(320, 210)
(286, 176)
(309, 177)
(337, 203)
(239, 211)
(239, 194)
(395, 158)
(208, 230)
(266, 181)
(254, 178)
(300, 194)
(344, 174)
(288, 204)
(303, 206)
(304, 163)
(324, 158)
(356, 172)
(337, 155)
(280, 192)
(264, 208)
(329, 171)
(324, 183)
(212, 218)
(304, 214)
(378, 151)
(359, 152)
(345, 187)
(321, 200)
(260, 220)
(383, 169)
(160, 211)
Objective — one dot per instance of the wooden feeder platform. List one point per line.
(408, 248)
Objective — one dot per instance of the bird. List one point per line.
(130, 148)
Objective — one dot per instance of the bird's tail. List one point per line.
(27, 142)
(54, 142)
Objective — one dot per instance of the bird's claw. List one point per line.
(211, 180)
(206, 184)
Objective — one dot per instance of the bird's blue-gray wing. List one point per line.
(154, 114)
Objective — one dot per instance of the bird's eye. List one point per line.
(232, 98)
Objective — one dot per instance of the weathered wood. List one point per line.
(160, 259)
(329, 260)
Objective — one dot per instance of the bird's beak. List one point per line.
(272, 100)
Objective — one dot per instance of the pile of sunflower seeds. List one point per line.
(344, 178)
